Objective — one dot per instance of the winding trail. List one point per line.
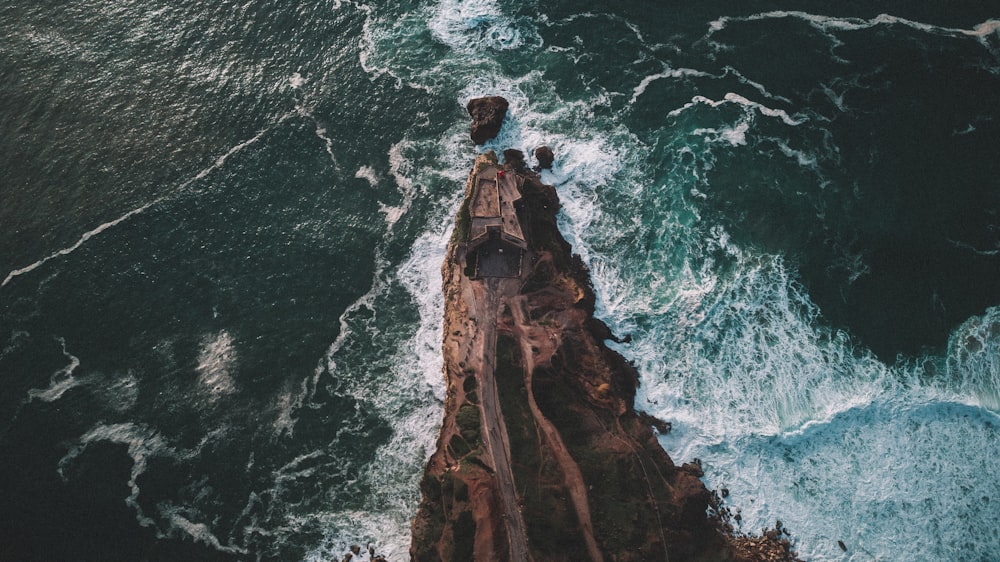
(487, 300)
(573, 477)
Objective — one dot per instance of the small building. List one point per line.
(496, 242)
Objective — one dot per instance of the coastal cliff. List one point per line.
(541, 454)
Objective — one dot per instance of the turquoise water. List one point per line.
(222, 229)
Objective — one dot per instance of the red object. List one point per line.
(499, 173)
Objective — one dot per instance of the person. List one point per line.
(499, 174)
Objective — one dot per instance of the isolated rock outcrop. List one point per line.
(545, 157)
(487, 117)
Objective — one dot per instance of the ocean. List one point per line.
(222, 225)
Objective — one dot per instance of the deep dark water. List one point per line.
(896, 233)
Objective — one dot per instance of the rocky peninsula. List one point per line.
(541, 454)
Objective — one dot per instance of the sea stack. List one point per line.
(487, 117)
(545, 157)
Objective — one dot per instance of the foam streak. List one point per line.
(219, 162)
(667, 73)
(828, 24)
(83, 239)
(746, 103)
(61, 381)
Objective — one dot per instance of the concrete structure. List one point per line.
(496, 242)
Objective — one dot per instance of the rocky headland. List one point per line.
(541, 454)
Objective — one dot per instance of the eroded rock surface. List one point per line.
(487, 117)
(545, 157)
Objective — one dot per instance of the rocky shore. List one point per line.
(590, 478)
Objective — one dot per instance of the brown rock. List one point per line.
(545, 157)
(691, 496)
(487, 117)
(514, 159)
(693, 468)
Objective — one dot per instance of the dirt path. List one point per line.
(487, 300)
(571, 471)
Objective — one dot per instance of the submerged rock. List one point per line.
(487, 117)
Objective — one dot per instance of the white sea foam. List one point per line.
(286, 404)
(755, 85)
(667, 73)
(801, 426)
(978, 251)
(747, 104)
(801, 158)
(14, 342)
(216, 364)
(200, 532)
(473, 33)
(829, 24)
(399, 167)
(973, 361)
(120, 393)
(401, 375)
(382, 528)
(83, 239)
(891, 479)
(410, 398)
(304, 109)
(837, 99)
(368, 174)
(143, 443)
(969, 129)
(60, 381)
(741, 362)
(734, 136)
(421, 275)
(322, 134)
(480, 25)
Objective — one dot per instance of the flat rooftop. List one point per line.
(492, 205)
(486, 200)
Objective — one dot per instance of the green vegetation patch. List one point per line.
(470, 383)
(458, 447)
(468, 422)
(620, 511)
(463, 222)
(428, 535)
(464, 531)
